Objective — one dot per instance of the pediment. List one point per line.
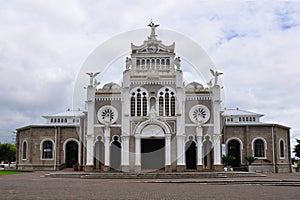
(153, 47)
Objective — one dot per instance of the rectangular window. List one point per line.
(24, 156)
(47, 152)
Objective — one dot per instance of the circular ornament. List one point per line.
(107, 115)
(199, 114)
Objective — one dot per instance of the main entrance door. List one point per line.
(153, 154)
(71, 153)
(234, 150)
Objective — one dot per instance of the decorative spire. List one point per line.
(153, 27)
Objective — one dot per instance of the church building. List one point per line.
(153, 121)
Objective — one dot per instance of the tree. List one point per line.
(7, 152)
(297, 149)
(250, 159)
(227, 159)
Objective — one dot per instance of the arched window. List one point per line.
(281, 148)
(144, 104)
(132, 103)
(166, 101)
(161, 105)
(24, 153)
(168, 62)
(172, 105)
(47, 149)
(259, 148)
(139, 102)
(51, 120)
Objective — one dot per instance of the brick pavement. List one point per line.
(33, 186)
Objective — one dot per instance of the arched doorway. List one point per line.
(99, 153)
(190, 154)
(207, 152)
(234, 149)
(115, 154)
(71, 153)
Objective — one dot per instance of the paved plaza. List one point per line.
(36, 186)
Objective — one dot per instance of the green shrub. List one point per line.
(250, 159)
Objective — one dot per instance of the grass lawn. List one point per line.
(8, 172)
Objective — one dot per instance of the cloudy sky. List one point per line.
(43, 45)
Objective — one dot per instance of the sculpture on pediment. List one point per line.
(153, 27)
(92, 76)
(216, 74)
(177, 62)
(128, 63)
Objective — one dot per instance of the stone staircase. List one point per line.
(187, 175)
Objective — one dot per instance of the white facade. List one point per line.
(154, 111)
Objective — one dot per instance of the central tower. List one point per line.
(153, 84)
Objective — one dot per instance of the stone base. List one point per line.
(168, 168)
(218, 168)
(125, 168)
(106, 168)
(200, 168)
(180, 168)
(89, 168)
(137, 168)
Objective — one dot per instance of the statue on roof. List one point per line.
(128, 63)
(215, 75)
(92, 76)
(177, 62)
(153, 27)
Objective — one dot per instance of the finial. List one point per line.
(153, 27)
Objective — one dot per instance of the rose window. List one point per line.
(199, 114)
(107, 115)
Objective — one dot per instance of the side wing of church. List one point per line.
(153, 121)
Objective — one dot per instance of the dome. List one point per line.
(194, 87)
(111, 86)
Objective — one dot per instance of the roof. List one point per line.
(68, 113)
(257, 124)
(46, 126)
(238, 112)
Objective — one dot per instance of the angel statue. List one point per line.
(215, 74)
(128, 63)
(177, 62)
(92, 76)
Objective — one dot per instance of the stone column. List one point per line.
(168, 167)
(106, 149)
(137, 165)
(125, 154)
(180, 153)
(217, 127)
(125, 134)
(217, 150)
(89, 144)
(90, 128)
(199, 131)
